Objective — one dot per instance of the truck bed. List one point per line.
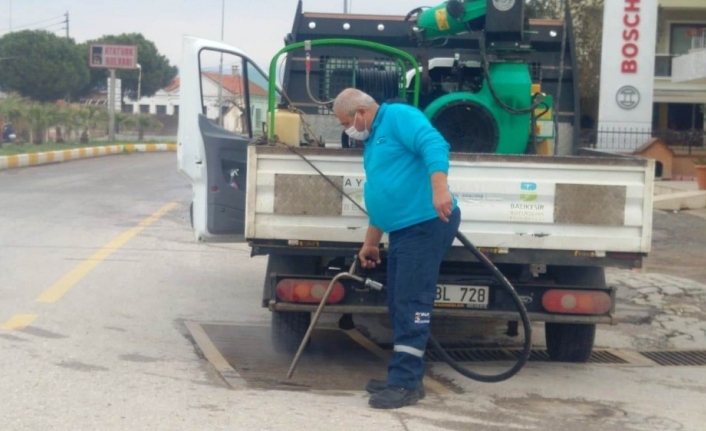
(583, 205)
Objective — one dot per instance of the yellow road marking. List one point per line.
(19, 321)
(61, 287)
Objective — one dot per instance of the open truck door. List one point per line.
(223, 103)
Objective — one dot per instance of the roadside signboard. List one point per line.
(112, 56)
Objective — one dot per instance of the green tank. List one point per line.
(474, 122)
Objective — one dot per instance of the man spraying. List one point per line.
(406, 163)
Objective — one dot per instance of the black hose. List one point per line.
(526, 348)
(381, 85)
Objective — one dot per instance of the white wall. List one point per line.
(161, 97)
(690, 68)
(210, 100)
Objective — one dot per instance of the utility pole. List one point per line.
(67, 23)
(10, 16)
(111, 108)
(345, 6)
(220, 73)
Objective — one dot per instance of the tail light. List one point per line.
(310, 291)
(576, 302)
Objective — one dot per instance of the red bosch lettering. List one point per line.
(631, 34)
(630, 50)
(629, 66)
(635, 23)
(634, 6)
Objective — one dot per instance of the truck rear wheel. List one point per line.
(288, 330)
(569, 342)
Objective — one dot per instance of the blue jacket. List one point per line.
(401, 153)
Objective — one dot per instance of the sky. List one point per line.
(257, 27)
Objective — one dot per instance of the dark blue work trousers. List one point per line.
(414, 260)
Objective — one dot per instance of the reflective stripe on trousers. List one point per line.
(413, 266)
(408, 349)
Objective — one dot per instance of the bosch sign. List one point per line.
(631, 35)
(627, 71)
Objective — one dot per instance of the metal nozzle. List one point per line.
(374, 285)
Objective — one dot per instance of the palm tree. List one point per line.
(127, 121)
(60, 119)
(146, 122)
(13, 110)
(91, 118)
(39, 117)
(73, 123)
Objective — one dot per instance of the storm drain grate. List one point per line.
(537, 355)
(684, 357)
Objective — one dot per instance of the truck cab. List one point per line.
(223, 104)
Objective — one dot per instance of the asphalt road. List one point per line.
(99, 272)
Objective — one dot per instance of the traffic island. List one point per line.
(35, 159)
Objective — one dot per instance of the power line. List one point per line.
(16, 27)
(47, 27)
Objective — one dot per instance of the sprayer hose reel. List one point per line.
(381, 85)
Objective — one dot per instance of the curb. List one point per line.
(35, 159)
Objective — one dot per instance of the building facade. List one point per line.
(226, 91)
(680, 67)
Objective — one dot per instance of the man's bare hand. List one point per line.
(444, 203)
(369, 256)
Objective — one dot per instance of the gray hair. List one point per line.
(351, 99)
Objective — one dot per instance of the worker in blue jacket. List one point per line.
(407, 196)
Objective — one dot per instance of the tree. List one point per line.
(587, 20)
(39, 117)
(141, 122)
(13, 109)
(90, 117)
(157, 73)
(42, 66)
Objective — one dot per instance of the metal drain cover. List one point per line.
(684, 357)
(538, 355)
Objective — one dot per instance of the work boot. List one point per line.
(375, 386)
(394, 397)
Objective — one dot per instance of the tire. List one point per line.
(569, 342)
(288, 330)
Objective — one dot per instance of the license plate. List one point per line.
(454, 296)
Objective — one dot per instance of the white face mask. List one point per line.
(356, 134)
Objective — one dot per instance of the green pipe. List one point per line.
(346, 42)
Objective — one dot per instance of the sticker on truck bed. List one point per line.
(353, 187)
(506, 201)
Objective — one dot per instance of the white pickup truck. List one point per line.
(550, 224)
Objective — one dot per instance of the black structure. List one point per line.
(335, 68)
